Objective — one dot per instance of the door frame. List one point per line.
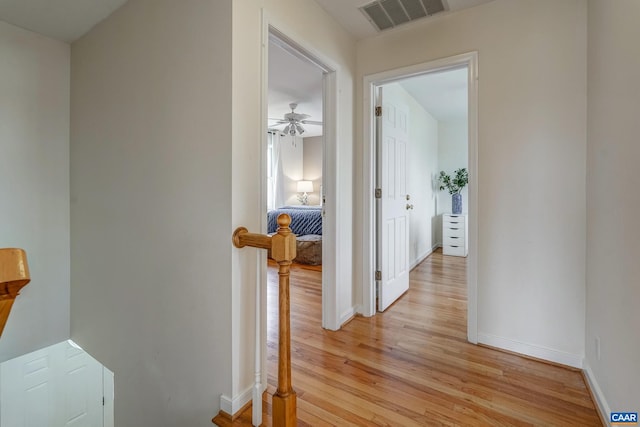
(370, 83)
(272, 30)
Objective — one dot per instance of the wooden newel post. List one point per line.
(283, 251)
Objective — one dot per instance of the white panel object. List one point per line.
(454, 235)
(393, 235)
(60, 385)
(108, 385)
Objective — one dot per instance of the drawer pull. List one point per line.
(453, 237)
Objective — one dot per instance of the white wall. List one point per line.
(453, 142)
(531, 162)
(34, 184)
(307, 23)
(421, 167)
(312, 166)
(613, 230)
(151, 207)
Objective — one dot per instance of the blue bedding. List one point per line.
(304, 219)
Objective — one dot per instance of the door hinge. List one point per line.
(378, 193)
(378, 275)
(102, 400)
(378, 111)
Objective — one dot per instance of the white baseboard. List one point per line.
(347, 315)
(544, 353)
(421, 258)
(231, 406)
(601, 401)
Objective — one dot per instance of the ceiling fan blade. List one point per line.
(300, 117)
(311, 122)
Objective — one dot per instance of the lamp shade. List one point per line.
(305, 187)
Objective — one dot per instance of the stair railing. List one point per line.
(283, 251)
(14, 275)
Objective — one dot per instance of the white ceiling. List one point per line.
(443, 94)
(292, 79)
(65, 20)
(347, 13)
(68, 20)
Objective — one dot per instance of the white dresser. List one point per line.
(454, 235)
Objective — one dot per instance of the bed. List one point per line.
(306, 224)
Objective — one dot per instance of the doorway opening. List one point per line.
(423, 121)
(295, 146)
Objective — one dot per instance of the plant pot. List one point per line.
(456, 203)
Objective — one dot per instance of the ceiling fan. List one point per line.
(294, 121)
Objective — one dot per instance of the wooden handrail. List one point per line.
(14, 275)
(283, 251)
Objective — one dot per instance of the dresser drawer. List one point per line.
(455, 231)
(453, 250)
(453, 220)
(453, 241)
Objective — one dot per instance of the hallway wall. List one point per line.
(531, 162)
(34, 184)
(151, 207)
(613, 232)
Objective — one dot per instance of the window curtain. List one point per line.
(275, 179)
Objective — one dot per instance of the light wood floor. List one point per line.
(412, 365)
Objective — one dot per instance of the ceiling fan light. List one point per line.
(286, 130)
(300, 129)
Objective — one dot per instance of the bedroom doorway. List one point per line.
(296, 143)
(395, 91)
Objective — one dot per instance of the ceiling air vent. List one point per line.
(385, 14)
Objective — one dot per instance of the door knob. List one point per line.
(409, 206)
(408, 197)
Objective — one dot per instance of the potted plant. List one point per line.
(454, 186)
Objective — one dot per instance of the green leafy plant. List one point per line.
(457, 183)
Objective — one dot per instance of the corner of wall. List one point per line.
(231, 406)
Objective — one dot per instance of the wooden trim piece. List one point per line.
(224, 418)
(14, 275)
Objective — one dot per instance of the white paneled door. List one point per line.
(393, 203)
(57, 386)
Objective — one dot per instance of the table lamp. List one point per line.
(304, 187)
